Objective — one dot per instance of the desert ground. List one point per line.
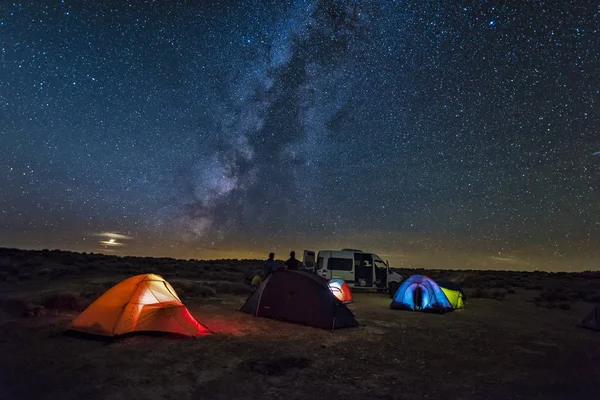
(517, 338)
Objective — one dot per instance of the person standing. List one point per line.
(270, 265)
(292, 264)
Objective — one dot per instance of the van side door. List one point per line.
(340, 267)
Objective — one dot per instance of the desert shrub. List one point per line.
(480, 293)
(59, 272)
(564, 306)
(30, 263)
(13, 306)
(499, 285)
(536, 286)
(64, 301)
(511, 291)
(43, 271)
(593, 298)
(550, 305)
(3, 276)
(25, 276)
(193, 289)
(9, 268)
(235, 288)
(498, 295)
(552, 295)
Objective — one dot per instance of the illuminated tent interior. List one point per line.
(341, 290)
(142, 303)
(299, 297)
(420, 293)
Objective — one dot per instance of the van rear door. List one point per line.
(308, 260)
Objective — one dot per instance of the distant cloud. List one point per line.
(111, 239)
(111, 242)
(112, 235)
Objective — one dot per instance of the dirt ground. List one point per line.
(492, 349)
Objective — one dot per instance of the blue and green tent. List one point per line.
(420, 293)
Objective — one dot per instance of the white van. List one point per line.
(357, 268)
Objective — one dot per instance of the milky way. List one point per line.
(451, 134)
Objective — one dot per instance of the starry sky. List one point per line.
(441, 134)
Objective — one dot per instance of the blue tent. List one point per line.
(420, 293)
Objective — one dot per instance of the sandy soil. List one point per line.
(493, 349)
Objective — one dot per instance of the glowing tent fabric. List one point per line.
(420, 293)
(454, 297)
(454, 293)
(341, 290)
(141, 303)
(299, 297)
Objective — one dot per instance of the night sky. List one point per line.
(434, 133)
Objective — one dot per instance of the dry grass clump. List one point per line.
(193, 289)
(67, 301)
(483, 293)
(235, 288)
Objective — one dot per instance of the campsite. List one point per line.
(517, 337)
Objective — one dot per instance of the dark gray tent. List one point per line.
(592, 321)
(299, 297)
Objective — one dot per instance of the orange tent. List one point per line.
(141, 303)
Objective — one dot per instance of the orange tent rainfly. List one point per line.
(139, 304)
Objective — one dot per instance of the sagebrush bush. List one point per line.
(236, 288)
(564, 306)
(71, 301)
(193, 289)
(25, 276)
(593, 298)
(480, 293)
(498, 295)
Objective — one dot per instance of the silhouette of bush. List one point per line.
(552, 295)
(498, 295)
(4, 276)
(480, 293)
(593, 298)
(564, 306)
(71, 301)
(511, 291)
(235, 288)
(44, 272)
(25, 276)
(536, 286)
(15, 306)
(8, 267)
(193, 289)
(60, 272)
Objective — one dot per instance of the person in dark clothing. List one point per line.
(292, 263)
(270, 265)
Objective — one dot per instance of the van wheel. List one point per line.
(393, 288)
